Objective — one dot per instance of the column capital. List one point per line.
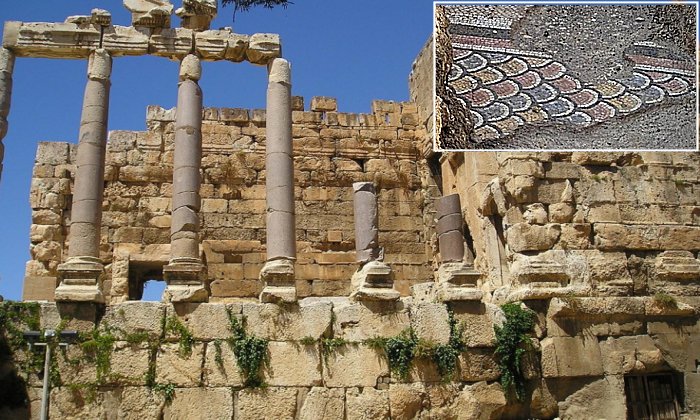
(190, 68)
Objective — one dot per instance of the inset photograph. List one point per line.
(566, 76)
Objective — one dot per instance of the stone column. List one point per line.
(7, 65)
(456, 280)
(81, 274)
(373, 280)
(184, 274)
(278, 271)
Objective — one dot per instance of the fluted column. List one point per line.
(81, 274)
(278, 271)
(7, 65)
(185, 272)
(456, 279)
(374, 279)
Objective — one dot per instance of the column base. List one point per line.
(80, 280)
(185, 281)
(278, 278)
(458, 282)
(373, 281)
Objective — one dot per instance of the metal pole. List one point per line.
(47, 373)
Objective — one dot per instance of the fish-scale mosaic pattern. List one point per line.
(507, 88)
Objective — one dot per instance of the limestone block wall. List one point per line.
(156, 360)
(595, 224)
(332, 150)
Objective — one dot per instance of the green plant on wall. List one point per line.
(446, 356)
(185, 338)
(250, 352)
(97, 346)
(512, 341)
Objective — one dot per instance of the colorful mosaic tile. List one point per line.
(508, 88)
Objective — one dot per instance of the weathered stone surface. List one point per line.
(270, 403)
(181, 370)
(362, 320)
(136, 317)
(478, 320)
(478, 364)
(480, 401)
(369, 404)
(262, 48)
(140, 403)
(407, 401)
(200, 403)
(525, 237)
(625, 355)
(430, 322)
(151, 13)
(291, 322)
(603, 398)
(323, 404)
(570, 356)
(206, 321)
(225, 373)
(354, 365)
(293, 364)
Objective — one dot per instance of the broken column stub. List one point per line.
(456, 279)
(81, 274)
(184, 274)
(278, 271)
(373, 280)
(7, 64)
(197, 14)
(150, 13)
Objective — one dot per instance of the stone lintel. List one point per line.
(73, 40)
(544, 293)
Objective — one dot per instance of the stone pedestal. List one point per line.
(81, 280)
(456, 279)
(7, 64)
(278, 272)
(81, 274)
(185, 273)
(374, 279)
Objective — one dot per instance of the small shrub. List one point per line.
(166, 390)
(512, 341)
(665, 301)
(308, 341)
(250, 351)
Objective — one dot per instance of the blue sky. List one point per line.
(355, 50)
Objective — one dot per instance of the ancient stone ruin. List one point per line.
(336, 259)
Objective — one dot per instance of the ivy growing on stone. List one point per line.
(97, 346)
(512, 342)
(185, 340)
(250, 351)
(446, 356)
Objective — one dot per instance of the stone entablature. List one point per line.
(331, 151)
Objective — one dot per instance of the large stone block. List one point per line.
(406, 401)
(478, 320)
(269, 403)
(480, 401)
(200, 403)
(181, 370)
(362, 320)
(370, 404)
(129, 363)
(478, 364)
(225, 372)
(430, 322)
(354, 365)
(570, 357)
(600, 399)
(293, 364)
(139, 403)
(134, 317)
(525, 237)
(310, 318)
(624, 355)
(206, 321)
(323, 404)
